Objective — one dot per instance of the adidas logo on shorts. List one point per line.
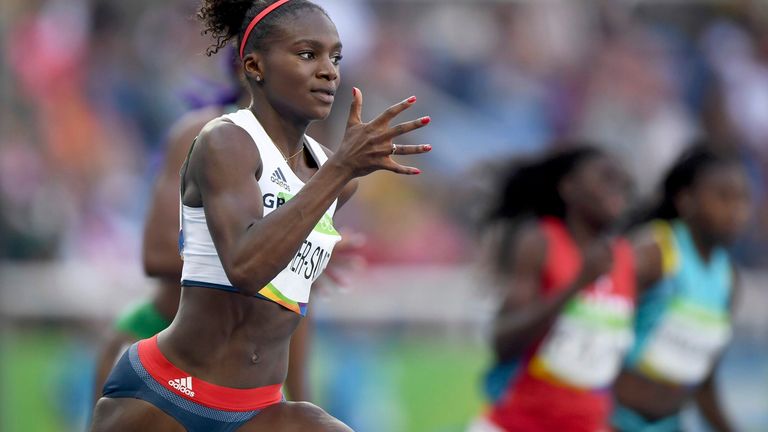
(183, 385)
(279, 178)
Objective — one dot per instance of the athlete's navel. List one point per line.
(255, 358)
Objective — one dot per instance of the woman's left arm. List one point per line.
(707, 395)
(710, 407)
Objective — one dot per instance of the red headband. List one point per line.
(256, 20)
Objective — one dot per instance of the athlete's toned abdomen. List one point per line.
(230, 339)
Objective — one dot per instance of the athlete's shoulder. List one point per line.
(223, 146)
(222, 134)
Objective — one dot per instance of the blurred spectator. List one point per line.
(94, 83)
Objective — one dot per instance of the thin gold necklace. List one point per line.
(293, 155)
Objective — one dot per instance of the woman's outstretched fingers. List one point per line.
(391, 165)
(367, 147)
(356, 109)
(384, 118)
(401, 149)
(404, 128)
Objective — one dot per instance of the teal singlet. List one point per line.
(683, 322)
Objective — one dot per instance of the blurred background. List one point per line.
(88, 89)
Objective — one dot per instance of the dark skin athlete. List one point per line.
(237, 340)
(161, 257)
(715, 208)
(595, 196)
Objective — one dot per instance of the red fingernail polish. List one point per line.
(411, 99)
(354, 91)
(427, 147)
(425, 120)
(417, 171)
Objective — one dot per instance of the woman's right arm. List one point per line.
(253, 249)
(526, 315)
(649, 264)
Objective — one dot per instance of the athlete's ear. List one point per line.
(253, 67)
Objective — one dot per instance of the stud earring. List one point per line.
(258, 78)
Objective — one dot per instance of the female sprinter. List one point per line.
(257, 200)
(161, 251)
(686, 284)
(565, 321)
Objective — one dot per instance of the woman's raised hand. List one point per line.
(368, 147)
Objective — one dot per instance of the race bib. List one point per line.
(586, 345)
(686, 343)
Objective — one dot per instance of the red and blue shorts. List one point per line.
(144, 373)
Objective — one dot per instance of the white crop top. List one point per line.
(291, 287)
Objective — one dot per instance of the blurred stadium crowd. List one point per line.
(90, 87)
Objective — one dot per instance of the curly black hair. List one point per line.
(226, 20)
(684, 173)
(531, 187)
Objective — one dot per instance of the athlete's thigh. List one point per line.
(113, 349)
(294, 417)
(127, 414)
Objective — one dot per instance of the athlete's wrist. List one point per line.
(340, 169)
